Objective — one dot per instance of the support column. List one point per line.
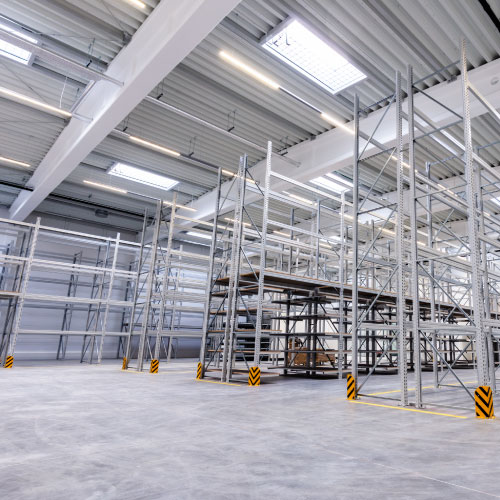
(210, 283)
(355, 270)
(262, 265)
(414, 245)
(149, 287)
(483, 374)
(400, 247)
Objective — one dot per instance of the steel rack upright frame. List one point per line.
(168, 300)
(26, 269)
(454, 296)
(281, 264)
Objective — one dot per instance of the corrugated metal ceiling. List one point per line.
(379, 37)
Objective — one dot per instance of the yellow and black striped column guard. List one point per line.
(199, 371)
(254, 376)
(351, 387)
(155, 363)
(9, 362)
(483, 397)
(124, 364)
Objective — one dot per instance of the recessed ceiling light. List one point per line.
(142, 176)
(106, 186)
(249, 70)
(12, 51)
(10, 161)
(308, 54)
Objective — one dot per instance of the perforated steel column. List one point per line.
(400, 251)
(473, 232)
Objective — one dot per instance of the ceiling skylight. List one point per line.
(311, 56)
(142, 176)
(12, 51)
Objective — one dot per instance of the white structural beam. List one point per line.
(168, 35)
(333, 150)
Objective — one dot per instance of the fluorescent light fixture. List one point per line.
(248, 70)
(329, 243)
(10, 161)
(326, 183)
(106, 186)
(308, 54)
(330, 238)
(232, 220)
(339, 179)
(154, 146)
(299, 198)
(137, 3)
(324, 245)
(180, 207)
(200, 235)
(232, 174)
(142, 176)
(336, 122)
(14, 96)
(282, 233)
(12, 51)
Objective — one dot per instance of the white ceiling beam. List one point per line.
(168, 35)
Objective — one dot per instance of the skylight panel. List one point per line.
(309, 55)
(329, 184)
(142, 176)
(12, 51)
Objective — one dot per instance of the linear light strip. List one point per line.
(334, 121)
(15, 96)
(199, 235)
(237, 63)
(232, 220)
(181, 207)
(138, 3)
(123, 191)
(152, 145)
(14, 162)
(249, 70)
(106, 186)
(299, 198)
(232, 174)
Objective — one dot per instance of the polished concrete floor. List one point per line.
(94, 432)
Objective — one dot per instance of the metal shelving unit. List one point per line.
(271, 276)
(445, 282)
(169, 301)
(27, 266)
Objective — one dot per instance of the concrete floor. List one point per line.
(94, 432)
